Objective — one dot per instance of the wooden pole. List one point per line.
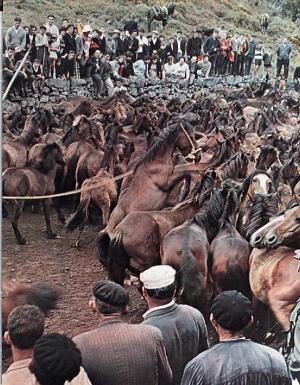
(15, 75)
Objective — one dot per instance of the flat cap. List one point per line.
(111, 293)
(158, 276)
(232, 310)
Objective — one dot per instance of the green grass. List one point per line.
(237, 15)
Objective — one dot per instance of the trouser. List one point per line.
(98, 83)
(219, 62)
(242, 64)
(248, 64)
(43, 56)
(212, 59)
(224, 69)
(285, 63)
(109, 85)
(18, 83)
(192, 78)
(237, 63)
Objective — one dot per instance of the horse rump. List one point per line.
(118, 259)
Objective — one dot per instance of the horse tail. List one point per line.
(101, 246)
(189, 277)
(42, 295)
(68, 181)
(80, 214)
(234, 278)
(81, 174)
(118, 259)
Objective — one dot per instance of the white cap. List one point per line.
(158, 276)
(87, 28)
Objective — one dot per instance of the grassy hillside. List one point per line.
(239, 15)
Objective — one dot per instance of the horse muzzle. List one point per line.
(257, 241)
(271, 240)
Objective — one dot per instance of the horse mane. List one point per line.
(168, 136)
(83, 108)
(261, 210)
(247, 181)
(232, 168)
(202, 189)
(222, 152)
(264, 150)
(29, 131)
(209, 215)
(46, 162)
(230, 208)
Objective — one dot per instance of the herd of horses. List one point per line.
(209, 185)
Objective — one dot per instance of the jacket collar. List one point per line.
(111, 320)
(159, 310)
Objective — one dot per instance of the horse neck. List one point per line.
(28, 134)
(182, 214)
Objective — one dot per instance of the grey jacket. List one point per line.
(117, 353)
(15, 38)
(284, 51)
(294, 357)
(184, 331)
(237, 362)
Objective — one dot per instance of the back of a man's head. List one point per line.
(25, 326)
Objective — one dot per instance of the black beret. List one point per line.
(56, 357)
(232, 310)
(111, 293)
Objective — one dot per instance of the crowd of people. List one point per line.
(77, 51)
(169, 347)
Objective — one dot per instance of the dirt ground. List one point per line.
(58, 262)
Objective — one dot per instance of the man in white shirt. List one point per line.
(51, 28)
(182, 72)
(169, 68)
(142, 43)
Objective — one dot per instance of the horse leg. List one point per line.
(16, 215)
(46, 206)
(59, 212)
(80, 230)
(105, 207)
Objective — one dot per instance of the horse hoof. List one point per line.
(52, 236)
(22, 241)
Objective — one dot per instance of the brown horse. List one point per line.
(235, 168)
(14, 152)
(43, 295)
(186, 248)
(37, 179)
(140, 245)
(274, 272)
(151, 184)
(230, 252)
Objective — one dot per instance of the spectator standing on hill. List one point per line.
(235, 360)
(106, 73)
(284, 51)
(123, 44)
(50, 27)
(194, 45)
(179, 46)
(182, 327)
(297, 78)
(93, 70)
(118, 353)
(249, 55)
(154, 43)
(16, 38)
(236, 49)
(30, 41)
(42, 46)
(258, 57)
(267, 59)
(211, 48)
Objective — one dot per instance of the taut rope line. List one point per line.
(35, 197)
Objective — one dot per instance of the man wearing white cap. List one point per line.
(182, 327)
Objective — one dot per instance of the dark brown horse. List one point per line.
(235, 168)
(151, 184)
(37, 179)
(230, 252)
(43, 295)
(274, 272)
(14, 152)
(160, 13)
(140, 245)
(186, 248)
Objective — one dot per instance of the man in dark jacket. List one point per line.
(182, 327)
(283, 57)
(154, 43)
(93, 70)
(297, 78)
(249, 55)
(122, 44)
(235, 360)
(118, 353)
(211, 47)
(194, 45)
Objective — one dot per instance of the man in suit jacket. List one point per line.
(194, 45)
(179, 46)
(182, 327)
(171, 48)
(154, 44)
(117, 353)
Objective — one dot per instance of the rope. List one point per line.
(36, 197)
(193, 152)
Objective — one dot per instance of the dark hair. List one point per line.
(56, 359)
(70, 25)
(32, 26)
(51, 16)
(65, 19)
(43, 27)
(162, 293)
(179, 31)
(62, 29)
(71, 51)
(17, 18)
(25, 326)
(11, 48)
(105, 308)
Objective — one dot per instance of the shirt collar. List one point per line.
(19, 364)
(158, 308)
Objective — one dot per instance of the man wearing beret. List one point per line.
(117, 353)
(182, 327)
(235, 360)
